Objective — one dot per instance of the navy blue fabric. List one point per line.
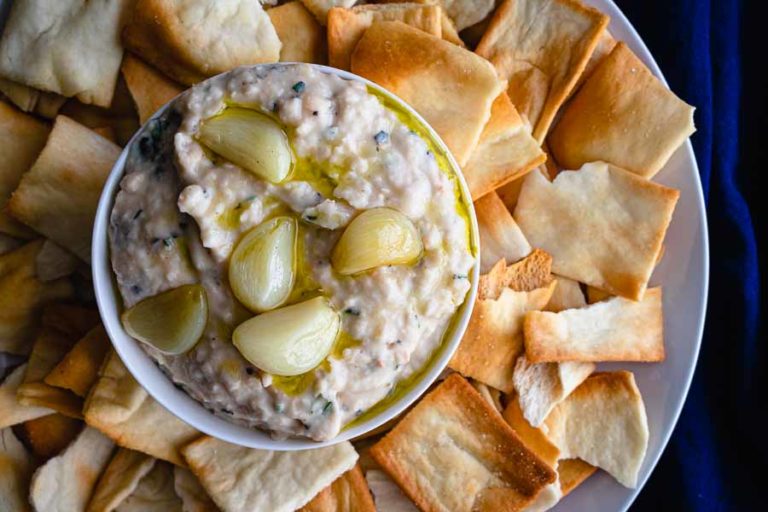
(709, 51)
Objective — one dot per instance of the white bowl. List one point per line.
(192, 412)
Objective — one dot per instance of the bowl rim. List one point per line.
(148, 374)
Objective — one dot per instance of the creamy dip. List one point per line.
(181, 210)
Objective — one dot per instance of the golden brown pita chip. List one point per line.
(302, 37)
(49, 349)
(49, 435)
(11, 411)
(605, 46)
(387, 494)
(494, 338)
(68, 47)
(79, 369)
(149, 89)
(29, 99)
(449, 32)
(506, 150)
(489, 394)
(348, 493)
(572, 473)
(22, 295)
(347, 26)
(59, 195)
(500, 236)
(459, 13)
(118, 406)
(244, 479)
(541, 47)
(528, 274)
(54, 262)
(615, 330)
(190, 41)
(16, 467)
(622, 115)
(603, 422)
(596, 295)
(453, 440)
(540, 387)
(451, 87)
(155, 492)
(8, 243)
(22, 137)
(534, 439)
(193, 496)
(320, 8)
(65, 482)
(119, 479)
(602, 225)
(567, 295)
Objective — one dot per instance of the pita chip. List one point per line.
(459, 13)
(118, 406)
(50, 435)
(489, 394)
(321, 8)
(605, 46)
(347, 26)
(572, 473)
(119, 480)
(243, 479)
(43, 103)
(302, 37)
(500, 236)
(614, 330)
(603, 226)
(603, 422)
(149, 89)
(59, 195)
(50, 347)
(567, 295)
(541, 47)
(453, 427)
(67, 47)
(11, 411)
(387, 494)
(16, 467)
(505, 152)
(22, 137)
(451, 87)
(622, 115)
(348, 493)
(191, 41)
(54, 262)
(527, 275)
(79, 369)
(154, 492)
(73, 320)
(65, 482)
(193, 496)
(540, 387)
(8, 244)
(596, 295)
(22, 296)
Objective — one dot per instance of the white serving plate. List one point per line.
(684, 275)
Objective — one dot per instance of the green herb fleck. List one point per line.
(299, 87)
(328, 409)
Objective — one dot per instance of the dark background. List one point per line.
(713, 53)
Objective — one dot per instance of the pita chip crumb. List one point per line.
(59, 194)
(540, 387)
(505, 152)
(302, 37)
(16, 467)
(614, 330)
(347, 26)
(453, 427)
(541, 47)
(149, 89)
(50, 435)
(240, 479)
(11, 411)
(603, 226)
(500, 236)
(622, 115)
(193, 496)
(118, 406)
(603, 422)
(65, 482)
(451, 87)
(348, 493)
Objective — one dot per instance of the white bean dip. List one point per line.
(181, 210)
